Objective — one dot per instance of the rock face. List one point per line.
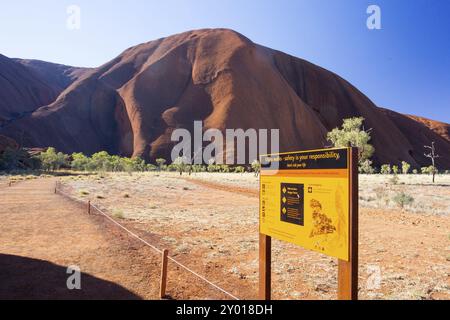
(21, 90)
(132, 104)
(6, 143)
(26, 85)
(58, 76)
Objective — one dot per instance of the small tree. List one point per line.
(386, 169)
(366, 167)
(101, 161)
(395, 169)
(160, 163)
(433, 156)
(405, 167)
(256, 166)
(52, 160)
(402, 200)
(180, 164)
(79, 162)
(353, 134)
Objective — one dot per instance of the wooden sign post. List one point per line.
(310, 198)
(348, 270)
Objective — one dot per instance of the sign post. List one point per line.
(310, 198)
(348, 270)
(265, 267)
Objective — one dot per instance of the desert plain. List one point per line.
(209, 223)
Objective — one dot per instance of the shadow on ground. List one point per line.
(29, 279)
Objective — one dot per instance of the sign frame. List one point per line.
(347, 270)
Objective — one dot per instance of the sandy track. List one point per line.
(41, 234)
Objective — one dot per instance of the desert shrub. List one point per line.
(180, 164)
(352, 133)
(386, 169)
(170, 168)
(395, 169)
(256, 167)
(160, 163)
(137, 164)
(84, 192)
(198, 168)
(151, 167)
(405, 167)
(428, 170)
(394, 180)
(239, 169)
(225, 168)
(117, 213)
(366, 167)
(212, 166)
(402, 200)
(118, 164)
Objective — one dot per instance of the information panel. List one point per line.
(305, 200)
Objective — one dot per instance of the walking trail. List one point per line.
(42, 233)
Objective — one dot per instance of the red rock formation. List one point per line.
(58, 76)
(131, 105)
(6, 142)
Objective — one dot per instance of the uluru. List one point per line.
(131, 105)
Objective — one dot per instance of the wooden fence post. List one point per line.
(265, 267)
(163, 286)
(89, 207)
(348, 270)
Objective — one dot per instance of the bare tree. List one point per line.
(432, 155)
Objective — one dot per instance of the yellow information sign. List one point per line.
(305, 199)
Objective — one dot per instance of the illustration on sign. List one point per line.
(306, 201)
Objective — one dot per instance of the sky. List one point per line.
(404, 66)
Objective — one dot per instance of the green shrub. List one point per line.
(256, 167)
(402, 200)
(395, 169)
(405, 167)
(239, 169)
(386, 169)
(366, 167)
(160, 163)
(428, 170)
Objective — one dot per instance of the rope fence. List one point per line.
(164, 253)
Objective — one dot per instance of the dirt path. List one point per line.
(41, 234)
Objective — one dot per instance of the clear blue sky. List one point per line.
(405, 66)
